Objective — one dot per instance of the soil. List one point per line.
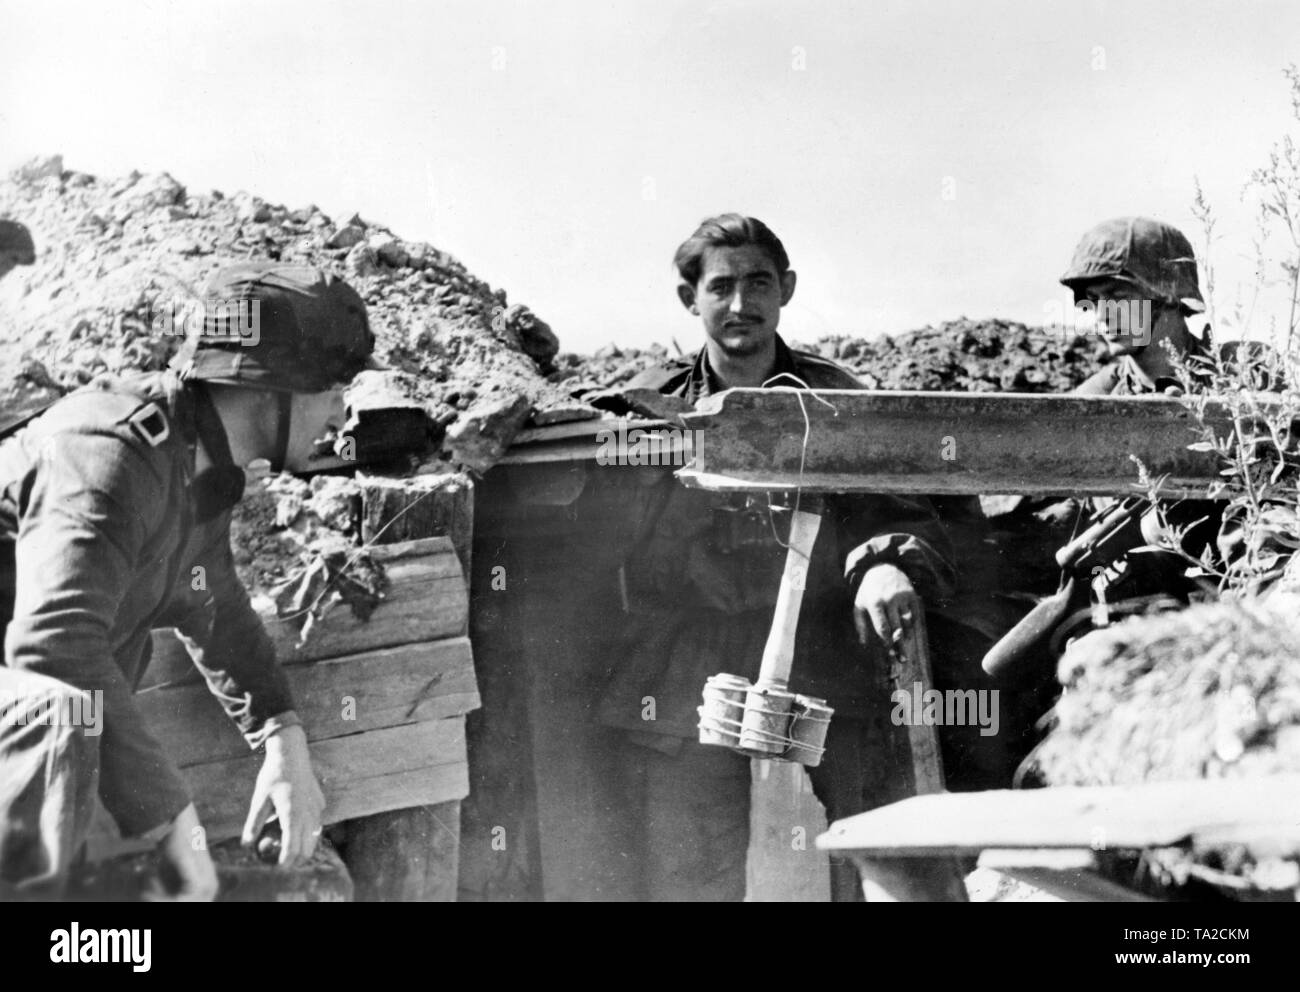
(112, 254)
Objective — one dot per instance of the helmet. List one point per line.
(17, 241)
(1148, 253)
(268, 325)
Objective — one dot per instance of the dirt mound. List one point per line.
(608, 367)
(112, 255)
(1211, 691)
(969, 356)
(957, 356)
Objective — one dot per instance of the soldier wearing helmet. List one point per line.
(1137, 277)
(115, 519)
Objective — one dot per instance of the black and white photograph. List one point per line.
(772, 451)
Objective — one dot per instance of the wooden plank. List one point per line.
(1047, 858)
(555, 451)
(334, 697)
(911, 668)
(946, 443)
(426, 601)
(395, 768)
(588, 430)
(1260, 813)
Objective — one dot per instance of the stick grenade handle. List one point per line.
(778, 654)
(912, 665)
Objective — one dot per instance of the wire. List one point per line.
(803, 449)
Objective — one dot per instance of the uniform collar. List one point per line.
(704, 381)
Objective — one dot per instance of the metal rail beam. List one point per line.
(945, 443)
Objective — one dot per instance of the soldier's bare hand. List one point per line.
(287, 786)
(886, 605)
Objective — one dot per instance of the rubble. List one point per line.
(1210, 691)
(295, 546)
(607, 368)
(481, 437)
(970, 356)
(956, 356)
(113, 255)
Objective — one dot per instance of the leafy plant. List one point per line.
(1245, 395)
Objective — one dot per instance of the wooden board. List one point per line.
(426, 601)
(394, 768)
(334, 697)
(1260, 813)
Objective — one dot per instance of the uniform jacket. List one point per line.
(98, 544)
(698, 610)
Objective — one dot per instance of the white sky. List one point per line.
(562, 149)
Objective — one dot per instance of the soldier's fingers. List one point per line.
(258, 813)
(311, 839)
(291, 844)
(909, 608)
(893, 621)
(862, 621)
(883, 623)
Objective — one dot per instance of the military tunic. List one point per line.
(99, 544)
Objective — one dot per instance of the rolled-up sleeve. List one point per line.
(81, 537)
(897, 530)
(231, 649)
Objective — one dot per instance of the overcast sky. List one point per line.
(921, 161)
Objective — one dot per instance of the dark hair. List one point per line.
(728, 231)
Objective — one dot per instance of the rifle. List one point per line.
(1111, 533)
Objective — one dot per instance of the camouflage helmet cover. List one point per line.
(1153, 255)
(269, 325)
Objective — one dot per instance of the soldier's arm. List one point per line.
(84, 527)
(897, 530)
(238, 660)
(235, 655)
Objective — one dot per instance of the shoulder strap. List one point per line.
(220, 486)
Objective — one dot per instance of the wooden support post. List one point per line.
(412, 855)
(911, 667)
(915, 879)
